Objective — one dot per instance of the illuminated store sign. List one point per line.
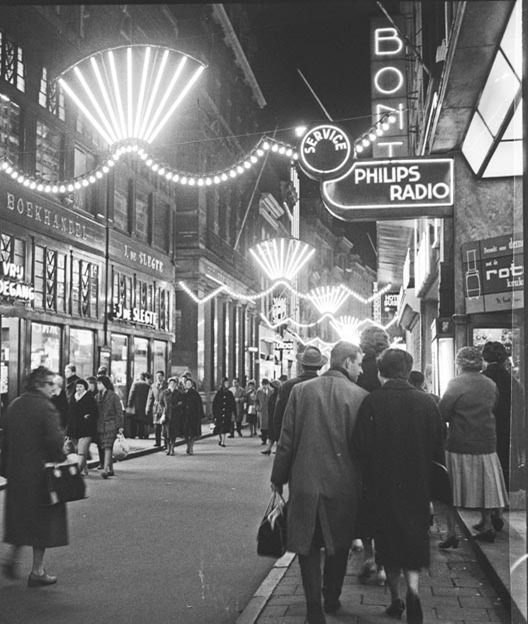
(388, 87)
(11, 286)
(493, 274)
(374, 190)
(324, 150)
(136, 315)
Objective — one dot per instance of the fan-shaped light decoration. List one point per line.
(328, 298)
(347, 328)
(130, 92)
(282, 258)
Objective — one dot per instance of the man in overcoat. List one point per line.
(314, 456)
(154, 405)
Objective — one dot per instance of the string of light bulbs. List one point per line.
(240, 167)
(252, 298)
(375, 132)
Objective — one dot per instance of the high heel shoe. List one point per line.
(450, 542)
(479, 526)
(486, 536)
(266, 452)
(414, 608)
(497, 522)
(396, 609)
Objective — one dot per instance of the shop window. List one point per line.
(85, 289)
(49, 277)
(12, 68)
(159, 355)
(119, 364)
(140, 362)
(83, 162)
(161, 225)
(9, 130)
(82, 351)
(122, 291)
(13, 249)
(45, 346)
(48, 153)
(121, 220)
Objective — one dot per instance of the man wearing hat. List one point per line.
(310, 360)
(315, 457)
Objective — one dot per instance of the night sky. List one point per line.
(329, 42)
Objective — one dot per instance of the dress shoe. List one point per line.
(331, 606)
(450, 542)
(37, 580)
(414, 608)
(395, 609)
(266, 452)
(367, 570)
(485, 536)
(263, 443)
(9, 570)
(223, 445)
(497, 523)
(104, 474)
(479, 526)
(231, 435)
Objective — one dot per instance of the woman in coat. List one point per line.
(399, 434)
(474, 468)
(171, 404)
(251, 408)
(224, 409)
(137, 404)
(110, 421)
(192, 414)
(83, 414)
(32, 438)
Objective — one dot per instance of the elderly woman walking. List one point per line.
(399, 434)
(32, 437)
(110, 421)
(471, 458)
(192, 415)
(224, 409)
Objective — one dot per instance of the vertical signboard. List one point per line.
(389, 87)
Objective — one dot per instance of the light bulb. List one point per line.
(365, 142)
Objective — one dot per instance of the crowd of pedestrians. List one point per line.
(355, 445)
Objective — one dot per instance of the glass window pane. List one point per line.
(140, 363)
(48, 153)
(82, 351)
(45, 346)
(506, 160)
(514, 129)
(142, 221)
(121, 210)
(477, 143)
(511, 42)
(9, 130)
(160, 355)
(500, 90)
(118, 364)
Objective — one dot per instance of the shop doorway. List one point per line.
(9, 360)
(119, 364)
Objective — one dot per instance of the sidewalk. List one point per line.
(455, 590)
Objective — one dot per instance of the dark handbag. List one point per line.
(61, 483)
(271, 536)
(440, 484)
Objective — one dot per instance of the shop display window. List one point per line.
(46, 346)
(159, 355)
(140, 362)
(82, 351)
(119, 364)
(49, 279)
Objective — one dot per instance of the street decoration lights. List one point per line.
(282, 258)
(347, 328)
(328, 299)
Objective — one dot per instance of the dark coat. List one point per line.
(369, 379)
(82, 417)
(137, 400)
(399, 434)
(224, 409)
(171, 404)
(315, 457)
(110, 417)
(33, 437)
(509, 408)
(284, 395)
(192, 414)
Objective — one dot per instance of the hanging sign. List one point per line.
(324, 150)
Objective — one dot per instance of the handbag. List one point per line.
(440, 484)
(69, 446)
(120, 449)
(61, 483)
(271, 536)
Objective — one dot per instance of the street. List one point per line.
(170, 539)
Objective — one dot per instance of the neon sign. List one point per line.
(324, 149)
(11, 285)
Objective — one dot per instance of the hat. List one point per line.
(82, 382)
(311, 356)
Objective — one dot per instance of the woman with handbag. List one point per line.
(192, 414)
(110, 421)
(32, 438)
(82, 421)
(251, 408)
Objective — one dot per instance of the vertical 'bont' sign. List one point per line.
(325, 149)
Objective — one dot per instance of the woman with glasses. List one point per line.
(32, 438)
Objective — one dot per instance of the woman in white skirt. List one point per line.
(472, 462)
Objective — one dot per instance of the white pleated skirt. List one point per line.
(476, 480)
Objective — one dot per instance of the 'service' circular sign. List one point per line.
(324, 150)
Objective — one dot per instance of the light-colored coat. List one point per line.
(154, 405)
(314, 456)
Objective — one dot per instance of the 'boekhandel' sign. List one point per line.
(375, 190)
